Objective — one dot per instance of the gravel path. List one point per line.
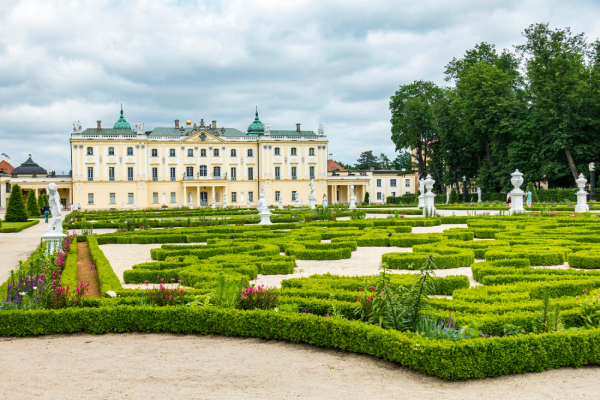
(166, 366)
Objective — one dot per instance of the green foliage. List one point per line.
(548, 319)
(227, 293)
(454, 197)
(33, 210)
(15, 211)
(42, 200)
(367, 160)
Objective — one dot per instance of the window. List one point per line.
(8, 186)
(393, 194)
(155, 197)
(233, 197)
(90, 198)
(392, 182)
(216, 152)
(111, 151)
(294, 195)
(154, 153)
(112, 199)
(189, 172)
(378, 195)
(250, 154)
(202, 152)
(277, 173)
(190, 152)
(173, 176)
(378, 182)
(407, 182)
(312, 172)
(90, 173)
(154, 174)
(293, 151)
(277, 151)
(250, 196)
(217, 172)
(171, 152)
(233, 153)
(130, 151)
(311, 151)
(130, 198)
(250, 173)
(233, 173)
(277, 195)
(129, 173)
(90, 152)
(111, 173)
(203, 170)
(293, 172)
(173, 197)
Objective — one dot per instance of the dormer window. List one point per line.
(90, 151)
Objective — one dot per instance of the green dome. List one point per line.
(257, 127)
(121, 123)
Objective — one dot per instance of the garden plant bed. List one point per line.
(508, 323)
(86, 271)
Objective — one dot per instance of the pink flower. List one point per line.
(358, 299)
(179, 281)
(146, 282)
(76, 300)
(576, 297)
(584, 290)
(360, 288)
(162, 279)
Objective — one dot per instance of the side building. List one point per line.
(198, 165)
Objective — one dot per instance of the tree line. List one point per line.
(535, 108)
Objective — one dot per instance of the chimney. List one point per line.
(297, 127)
(331, 156)
(176, 124)
(99, 124)
(214, 126)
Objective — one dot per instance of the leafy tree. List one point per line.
(413, 121)
(403, 161)
(367, 160)
(32, 205)
(343, 165)
(453, 197)
(383, 162)
(15, 211)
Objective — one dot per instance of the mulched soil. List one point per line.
(85, 273)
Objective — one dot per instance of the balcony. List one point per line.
(155, 178)
(217, 177)
(90, 178)
(111, 178)
(189, 178)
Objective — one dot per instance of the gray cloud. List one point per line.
(303, 61)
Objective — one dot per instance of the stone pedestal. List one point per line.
(180, 204)
(479, 195)
(311, 202)
(581, 195)
(422, 198)
(352, 205)
(248, 204)
(123, 206)
(429, 197)
(53, 241)
(265, 218)
(134, 206)
(191, 206)
(280, 204)
(516, 195)
(296, 203)
(448, 195)
(224, 200)
(592, 185)
(212, 202)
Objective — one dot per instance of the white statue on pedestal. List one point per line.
(191, 199)
(280, 203)
(581, 195)
(311, 195)
(448, 194)
(122, 206)
(324, 201)
(212, 202)
(180, 203)
(421, 192)
(224, 200)
(352, 198)
(139, 128)
(428, 197)
(54, 236)
(479, 195)
(516, 195)
(76, 127)
(134, 206)
(263, 209)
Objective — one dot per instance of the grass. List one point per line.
(11, 227)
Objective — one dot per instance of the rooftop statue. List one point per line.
(76, 127)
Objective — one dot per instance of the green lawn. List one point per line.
(10, 227)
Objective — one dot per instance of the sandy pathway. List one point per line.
(18, 246)
(166, 366)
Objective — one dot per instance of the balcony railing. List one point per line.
(90, 178)
(189, 178)
(155, 178)
(233, 178)
(111, 178)
(277, 178)
(217, 177)
(130, 178)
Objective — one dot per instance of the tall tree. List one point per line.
(412, 108)
(33, 208)
(384, 162)
(403, 161)
(366, 160)
(15, 210)
(556, 72)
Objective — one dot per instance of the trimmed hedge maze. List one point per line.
(510, 288)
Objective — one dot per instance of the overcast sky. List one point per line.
(299, 61)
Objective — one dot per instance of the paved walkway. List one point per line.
(18, 246)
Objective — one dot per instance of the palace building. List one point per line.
(202, 165)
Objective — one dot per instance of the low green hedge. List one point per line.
(536, 256)
(584, 259)
(69, 273)
(10, 227)
(444, 259)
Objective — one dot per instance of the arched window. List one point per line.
(276, 151)
(154, 153)
(90, 151)
(202, 152)
(203, 170)
(293, 151)
(171, 152)
(233, 153)
(216, 152)
(130, 151)
(111, 151)
(311, 151)
(250, 153)
(190, 152)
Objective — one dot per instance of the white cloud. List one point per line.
(300, 61)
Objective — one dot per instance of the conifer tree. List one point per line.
(15, 211)
(32, 205)
(453, 197)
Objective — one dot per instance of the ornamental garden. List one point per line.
(456, 297)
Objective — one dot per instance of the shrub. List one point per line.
(15, 211)
(454, 197)
(258, 297)
(33, 209)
